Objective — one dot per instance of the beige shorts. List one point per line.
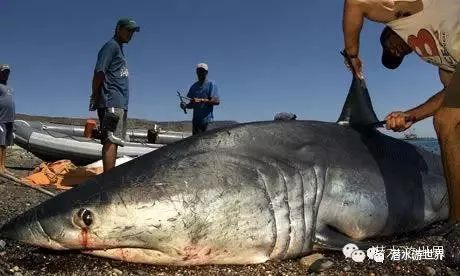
(6, 134)
(119, 131)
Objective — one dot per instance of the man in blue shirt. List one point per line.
(204, 97)
(7, 115)
(110, 94)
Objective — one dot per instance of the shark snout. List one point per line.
(26, 228)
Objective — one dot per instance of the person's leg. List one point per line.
(447, 125)
(9, 142)
(109, 155)
(2, 159)
(3, 144)
(199, 128)
(195, 129)
(204, 127)
(109, 150)
(125, 126)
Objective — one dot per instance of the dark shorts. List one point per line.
(6, 134)
(452, 96)
(119, 134)
(199, 127)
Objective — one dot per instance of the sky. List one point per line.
(266, 56)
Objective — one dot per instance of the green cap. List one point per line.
(128, 23)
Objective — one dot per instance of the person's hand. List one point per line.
(199, 100)
(398, 121)
(356, 66)
(92, 103)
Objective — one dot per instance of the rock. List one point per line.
(346, 268)
(371, 274)
(17, 274)
(15, 269)
(2, 244)
(321, 265)
(117, 271)
(307, 261)
(452, 257)
(452, 272)
(429, 271)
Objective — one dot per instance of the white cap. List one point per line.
(4, 67)
(202, 65)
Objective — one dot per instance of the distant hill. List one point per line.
(132, 122)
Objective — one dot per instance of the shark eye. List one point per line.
(83, 218)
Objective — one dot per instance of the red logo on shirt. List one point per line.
(424, 44)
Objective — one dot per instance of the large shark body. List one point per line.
(247, 194)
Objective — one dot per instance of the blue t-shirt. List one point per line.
(7, 108)
(115, 88)
(202, 112)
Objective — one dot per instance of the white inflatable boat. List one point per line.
(51, 142)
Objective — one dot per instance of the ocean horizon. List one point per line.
(430, 144)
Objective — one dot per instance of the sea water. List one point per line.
(429, 144)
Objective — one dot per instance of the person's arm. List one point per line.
(210, 100)
(397, 120)
(352, 23)
(428, 108)
(213, 98)
(214, 101)
(104, 58)
(214, 95)
(190, 95)
(353, 19)
(189, 105)
(354, 13)
(98, 79)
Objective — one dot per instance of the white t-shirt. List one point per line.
(433, 33)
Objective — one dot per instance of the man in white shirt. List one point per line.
(430, 28)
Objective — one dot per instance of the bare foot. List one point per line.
(5, 171)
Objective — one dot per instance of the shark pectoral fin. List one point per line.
(330, 239)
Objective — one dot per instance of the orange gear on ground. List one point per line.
(62, 174)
